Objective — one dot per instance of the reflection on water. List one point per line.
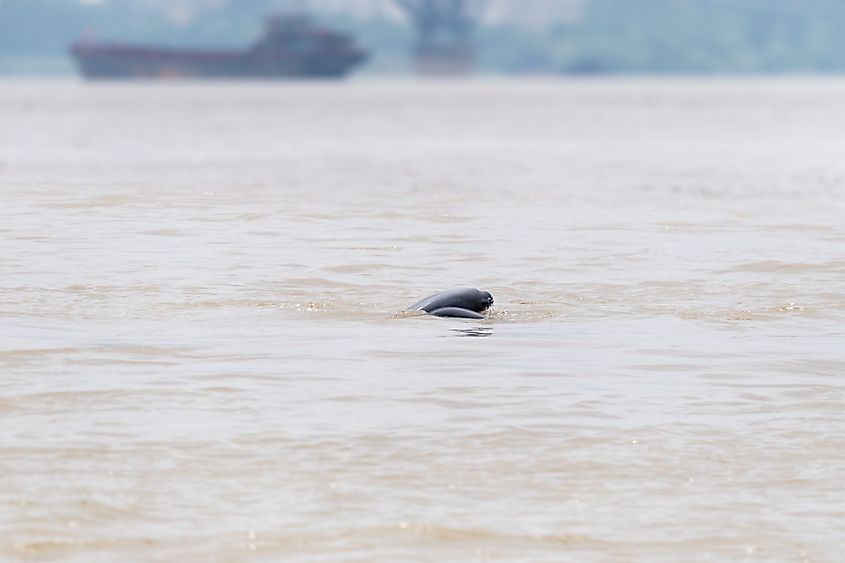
(478, 331)
(195, 321)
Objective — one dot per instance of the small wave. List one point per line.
(776, 266)
(441, 534)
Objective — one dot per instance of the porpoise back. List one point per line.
(463, 302)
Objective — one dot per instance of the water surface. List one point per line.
(203, 359)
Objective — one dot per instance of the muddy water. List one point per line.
(203, 354)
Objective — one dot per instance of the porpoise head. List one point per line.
(486, 300)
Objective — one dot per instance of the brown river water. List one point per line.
(203, 355)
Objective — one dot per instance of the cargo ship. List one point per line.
(291, 47)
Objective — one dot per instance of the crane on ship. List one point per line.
(444, 28)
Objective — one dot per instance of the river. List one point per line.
(204, 355)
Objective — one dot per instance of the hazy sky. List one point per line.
(532, 13)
